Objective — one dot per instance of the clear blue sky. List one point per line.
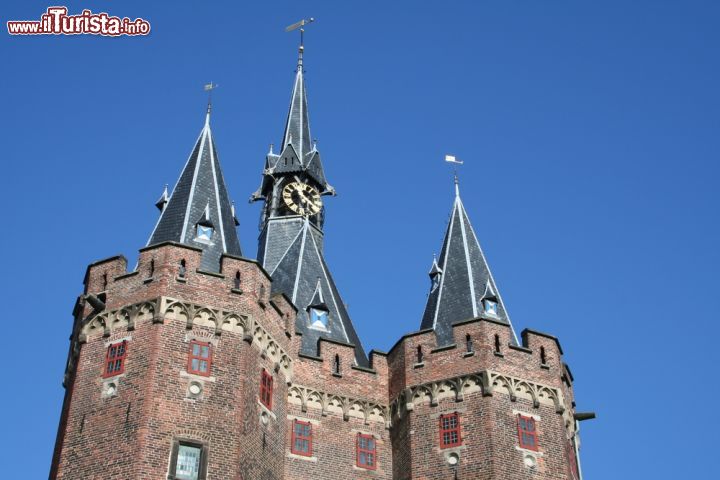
(590, 132)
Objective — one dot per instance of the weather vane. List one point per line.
(455, 162)
(209, 87)
(301, 25)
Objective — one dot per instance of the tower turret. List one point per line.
(462, 287)
(199, 213)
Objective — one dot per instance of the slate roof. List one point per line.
(297, 267)
(460, 280)
(297, 125)
(199, 197)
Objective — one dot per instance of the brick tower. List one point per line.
(202, 364)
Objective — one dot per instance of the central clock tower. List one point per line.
(291, 230)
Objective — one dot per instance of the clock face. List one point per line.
(301, 198)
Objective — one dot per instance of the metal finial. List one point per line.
(301, 25)
(209, 88)
(271, 149)
(454, 161)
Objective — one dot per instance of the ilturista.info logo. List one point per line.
(56, 21)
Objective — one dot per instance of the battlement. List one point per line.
(173, 269)
(480, 343)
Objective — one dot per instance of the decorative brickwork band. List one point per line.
(191, 314)
(329, 403)
(487, 382)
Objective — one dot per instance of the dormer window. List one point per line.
(204, 233)
(318, 318)
(204, 228)
(490, 307)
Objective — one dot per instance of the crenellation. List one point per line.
(99, 274)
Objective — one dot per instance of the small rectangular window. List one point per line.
(527, 434)
(266, 389)
(188, 461)
(301, 443)
(115, 359)
(366, 453)
(450, 430)
(199, 358)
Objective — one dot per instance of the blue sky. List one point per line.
(589, 132)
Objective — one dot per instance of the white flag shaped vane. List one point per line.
(452, 159)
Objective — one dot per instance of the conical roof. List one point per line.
(462, 287)
(199, 199)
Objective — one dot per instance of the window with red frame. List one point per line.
(200, 358)
(301, 438)
(266, 389)
(115, 359)
(366, 451)
(450, 430)
(527, 434)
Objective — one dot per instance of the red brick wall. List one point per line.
(130, 435)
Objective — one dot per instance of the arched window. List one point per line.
(468, 343)
(152, 268)
(497, 343)
(419, 354)
(182, 270)
(236, 282)
(104, 279)
(543, 359)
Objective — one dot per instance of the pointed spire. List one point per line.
(463, 286)
(199, 212)
(297, 125)
(297, 154)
